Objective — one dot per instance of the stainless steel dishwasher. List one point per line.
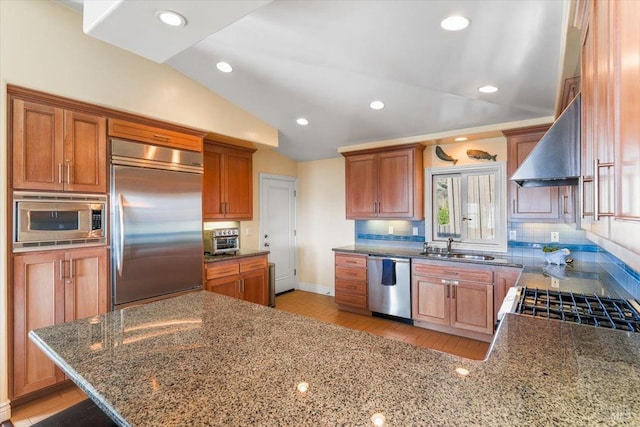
(392, 300)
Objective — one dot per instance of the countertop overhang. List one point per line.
(206, 359)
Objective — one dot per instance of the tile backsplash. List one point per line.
(390, 233)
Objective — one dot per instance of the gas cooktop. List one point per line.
(594, 310)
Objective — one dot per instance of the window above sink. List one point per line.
(468, 204)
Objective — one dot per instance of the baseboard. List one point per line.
(315, 289)
(5, 411)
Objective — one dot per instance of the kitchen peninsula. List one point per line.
(206, 359)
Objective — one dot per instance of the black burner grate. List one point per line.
(579, 308)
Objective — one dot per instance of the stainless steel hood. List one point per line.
(555, 160)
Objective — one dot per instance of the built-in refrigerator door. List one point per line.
(156, 233)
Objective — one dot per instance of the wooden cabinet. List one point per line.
(610, 208)
(505, 278)
(243, 278)
(546, 204)
(351, 282)
(154, 135)
(453, 299)
(227, 192)
(50, 288)
(57, 149)
(385, 183)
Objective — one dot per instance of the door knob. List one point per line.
(266, 243)
(266, 236)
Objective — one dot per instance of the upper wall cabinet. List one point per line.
(538, 204)
(57, 149)
(154, 135)
(385, 183)
(227, 191)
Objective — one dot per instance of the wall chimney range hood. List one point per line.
(555, 160)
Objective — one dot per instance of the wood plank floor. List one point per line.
(321, 307)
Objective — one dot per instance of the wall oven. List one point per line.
(57, 220)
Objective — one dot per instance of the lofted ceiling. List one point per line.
(327, 61)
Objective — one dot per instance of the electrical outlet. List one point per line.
(390, 229)
(555, 236)
(555, 283)
(415, 231)
(513, 235)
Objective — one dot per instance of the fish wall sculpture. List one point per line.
(481, 155)
(444, 156)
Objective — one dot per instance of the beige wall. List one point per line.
(42, 47)
(321, 222)
(458, 150)
(270, 162)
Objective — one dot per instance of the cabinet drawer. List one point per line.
(359, 301)
(357, 261)
(255, 263)
(356, 288)
(154, 135)
(446, 272)
(351, 273)
(227, 269)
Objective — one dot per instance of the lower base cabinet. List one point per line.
(51, 288)
(454, 299)
(244, 278)
(351, 282)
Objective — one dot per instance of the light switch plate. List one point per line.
(415, 231)
(390, 229)
(555, 283)
(555, 236)
(513, 235)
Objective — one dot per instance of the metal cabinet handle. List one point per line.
(596, 188)
(60, 269)
(68, 166)
(59, 173)
(513, 206)
(71, 273)
(453, 292)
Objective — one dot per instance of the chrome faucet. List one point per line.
(449, 242)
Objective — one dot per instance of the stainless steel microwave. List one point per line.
(58, 220)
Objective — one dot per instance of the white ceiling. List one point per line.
(327, 60)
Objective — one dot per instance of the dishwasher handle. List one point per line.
(400, 260)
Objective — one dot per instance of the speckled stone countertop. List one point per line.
(242, 253)
(206, 359)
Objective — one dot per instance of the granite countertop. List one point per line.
(242, 253)
(206, 359)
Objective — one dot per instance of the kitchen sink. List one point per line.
(458, 256)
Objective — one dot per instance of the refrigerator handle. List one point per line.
(120, 254)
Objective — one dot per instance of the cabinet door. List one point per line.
(531, 202)
(228, 286)
(361, 186)
(37, 141)
(238, 183)
(627, 66)
(395, 184)
(85, 151)
(430, 301)
(85, 289)
(212, 207)
(472, 307)
(505, 279)
(254, 286)
(38, 301)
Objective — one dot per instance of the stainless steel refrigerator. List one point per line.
(156, 221)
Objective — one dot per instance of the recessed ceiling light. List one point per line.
(488, 89)
(377, 105)
(171, 18)
(461, 138)
(455, 23)
(225, 67)
(302, 121)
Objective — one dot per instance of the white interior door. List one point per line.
(277, 226)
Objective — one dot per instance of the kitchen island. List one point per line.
(206, 359)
